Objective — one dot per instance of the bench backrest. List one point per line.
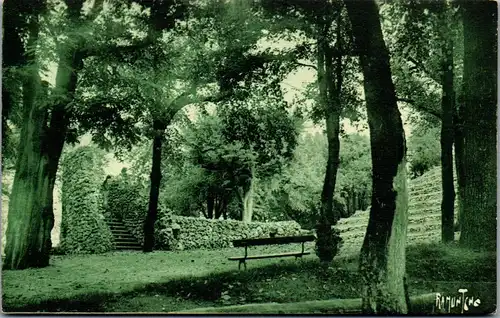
(273, 240)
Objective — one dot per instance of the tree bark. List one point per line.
(210, 205)
(31, 218)
(459, 161)
(480, 131)
(221, 206)
(248, 199)
(383, 255)
(154, 192)
(25, 204)
(447, 136)
(31, 215)
(332, 118)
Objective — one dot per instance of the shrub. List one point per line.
(424, 151)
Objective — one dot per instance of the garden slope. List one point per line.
(424, 209)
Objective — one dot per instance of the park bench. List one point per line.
(270, 241)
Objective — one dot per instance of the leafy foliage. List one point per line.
(295, 194)
(424, 151)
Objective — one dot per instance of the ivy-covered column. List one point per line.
(83, 228)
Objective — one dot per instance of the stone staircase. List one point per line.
(124, 240)
(424, 209)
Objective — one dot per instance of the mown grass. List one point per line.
(175, 281)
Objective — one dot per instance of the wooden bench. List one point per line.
(270, 241)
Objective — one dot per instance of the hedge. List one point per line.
(83, 228)
(128, 201)
(186, 233)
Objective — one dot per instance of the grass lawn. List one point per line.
(175, 281)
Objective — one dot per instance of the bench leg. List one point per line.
(242, 261)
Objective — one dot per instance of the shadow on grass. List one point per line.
(243, 286)
(431, 268)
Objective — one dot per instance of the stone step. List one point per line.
(124, 237)
(118, 227)
(128, 247)
(424, 196)
(114, 223)
(412, 229)
(412, 221)
(119, 230)
(126, 242)
(420, 204)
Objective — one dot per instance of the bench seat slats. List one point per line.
(237, 258)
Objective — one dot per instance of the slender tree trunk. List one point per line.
(154, 193)
(332, 112)
(480, 131)
(330, 86)
(447, 136)
(210, 205)
(248, 199)
(331, 124)
(220, 207)
(383, 255)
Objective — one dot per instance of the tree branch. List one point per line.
(112, 49)
(187, 98)
(421, 67)
(420, 107)
(306, 65)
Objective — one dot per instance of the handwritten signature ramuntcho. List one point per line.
(460, 301)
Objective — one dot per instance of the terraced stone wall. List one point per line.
(424, 215)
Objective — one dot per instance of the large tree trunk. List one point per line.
(30, 180)
(480, 131)
(447, 136)
(31, 215)
(383, 256)
(154, 192)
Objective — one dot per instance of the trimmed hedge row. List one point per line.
(186, 233)
(83, 228)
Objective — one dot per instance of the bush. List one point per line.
(424, 151)
(83, 228)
